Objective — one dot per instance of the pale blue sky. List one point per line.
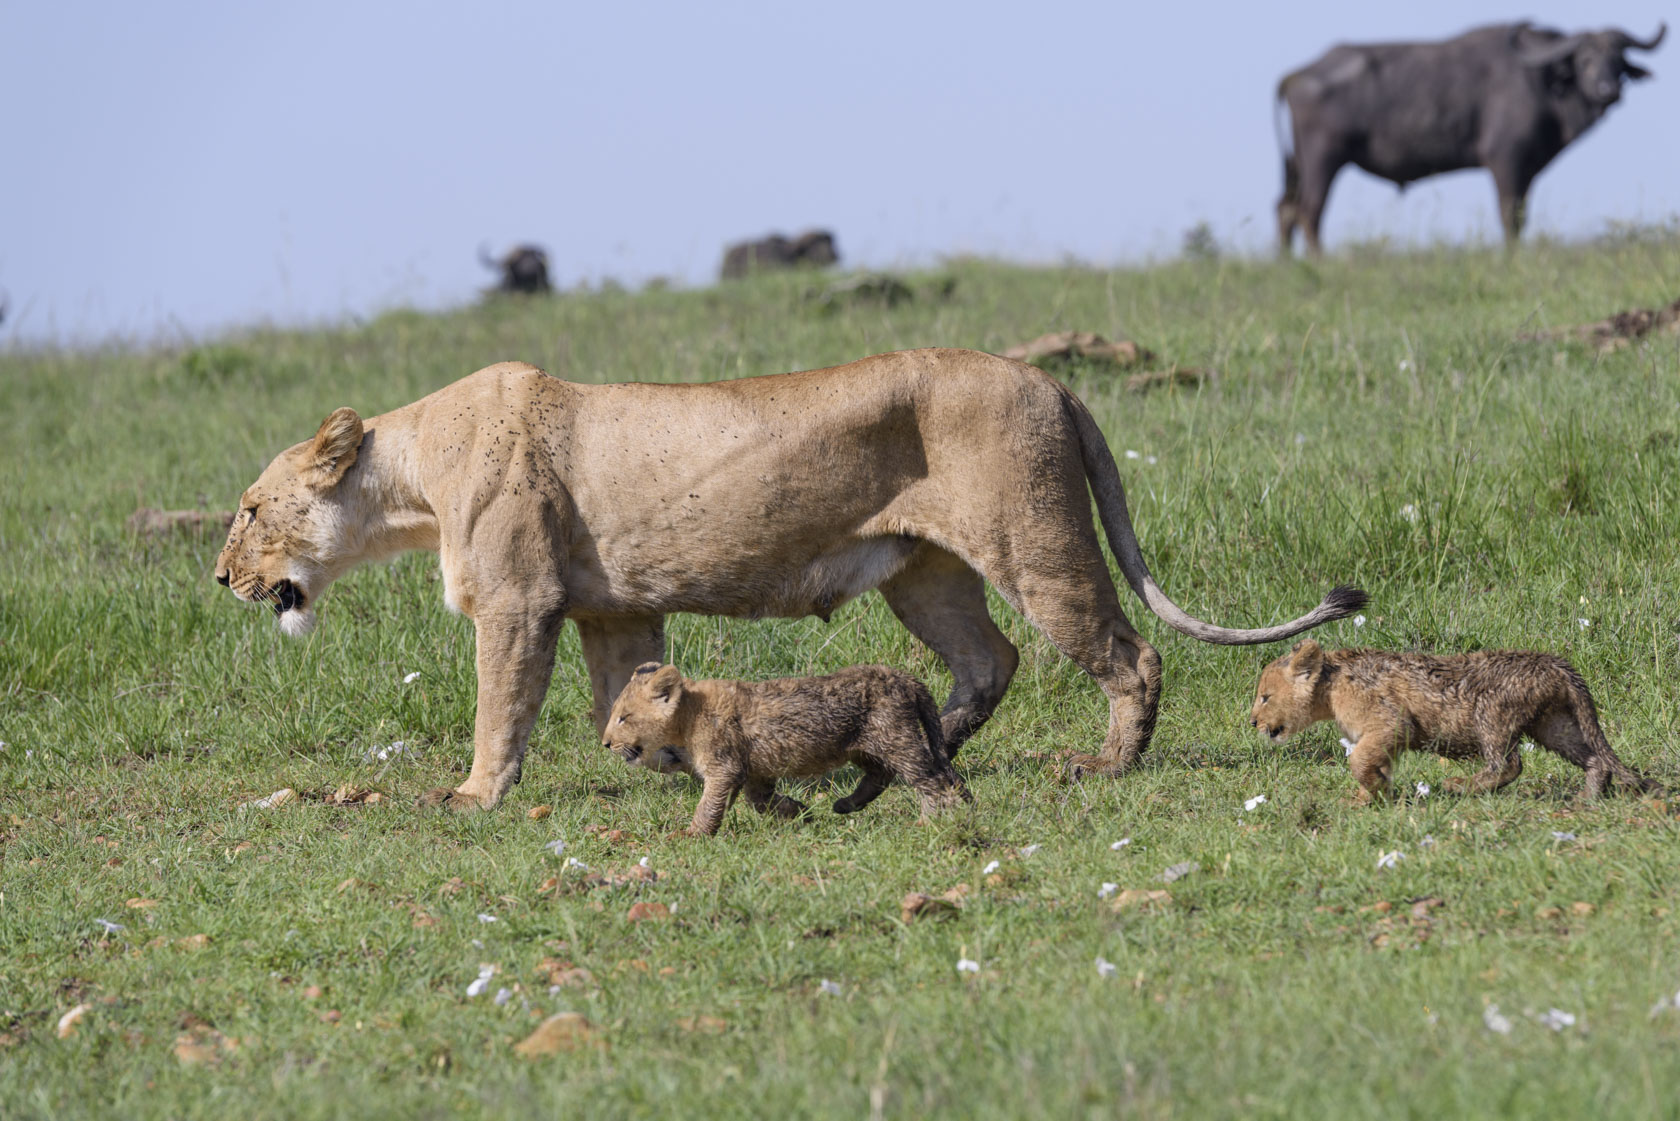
(172, 169)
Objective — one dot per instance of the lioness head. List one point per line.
(1283, 701)
(643, 722)
(286, 543)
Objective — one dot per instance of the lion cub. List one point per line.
(1463, 706)
(744, 735)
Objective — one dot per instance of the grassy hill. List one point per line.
(1374, 419)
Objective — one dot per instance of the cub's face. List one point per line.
(288, 540)
(642, 727)
(1283, 701)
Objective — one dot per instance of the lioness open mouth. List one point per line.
(286, 597)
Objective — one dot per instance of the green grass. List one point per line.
(140, 705)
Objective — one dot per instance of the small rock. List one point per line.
(1179, 871)
(1144, 899)
(917, 905)
(67, 1022)
(274, 801)
(561, 1032)
(708, 1025)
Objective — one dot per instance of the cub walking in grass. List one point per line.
(744, 735)
(1463, 706)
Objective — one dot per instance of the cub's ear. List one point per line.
(1307, 659)
(665, 684)
(334, 447)
(646, 667)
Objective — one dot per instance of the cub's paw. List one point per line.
(448, 798)
(1079, 767)
(1457, 784)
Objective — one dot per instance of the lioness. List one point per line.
(1463, 706)
(744, 735)
(917, 473)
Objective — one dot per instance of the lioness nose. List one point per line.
(224, 578)
(1253, 722)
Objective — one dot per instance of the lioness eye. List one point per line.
(621, 719)
(251, 513)
(1265, 698)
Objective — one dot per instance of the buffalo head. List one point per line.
(1595, 60)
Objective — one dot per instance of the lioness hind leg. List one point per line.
(942, 601)
(876, 778)
(613, 646)
(1076, 608)
(761, 796)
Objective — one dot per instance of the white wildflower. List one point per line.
(1359, 620)
(1409, 512)
(1494, 1021)
(1300, 438)
(1152, 460)
(1254, 803)
(410, 679)
(555, 847)
(574, 862)
(1120, 844)
(108, 926)
(1406, 365)
(1557, 1019)
(1179, 871)
(1130, 454)
(1428, 841)
(989, 868)
(1423, 789)
(503, 996)
(1105, 968)
(478, 943)
(1107, 890)
(482, 917)
(967, 965)
(828, 988)
(485, 972)
(1028, 850)
(642, 863)
(385, 754)
(1390, 859)
(1560, 836)
(1583, 623)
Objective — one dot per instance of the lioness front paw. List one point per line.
(447, 797)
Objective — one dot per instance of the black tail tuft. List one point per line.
(1345, 599)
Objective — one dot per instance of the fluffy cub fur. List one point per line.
(743, 735)
(1463, 706)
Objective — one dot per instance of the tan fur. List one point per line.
(744, 735)
(917, 473)
(1463, 706)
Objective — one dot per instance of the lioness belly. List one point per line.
(748, 584)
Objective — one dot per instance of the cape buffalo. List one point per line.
(1508, 97)
(524, 268)
(814, 249)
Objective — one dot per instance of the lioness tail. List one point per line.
(1104, 477)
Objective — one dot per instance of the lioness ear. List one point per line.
(1308, 659)
(334, 447)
